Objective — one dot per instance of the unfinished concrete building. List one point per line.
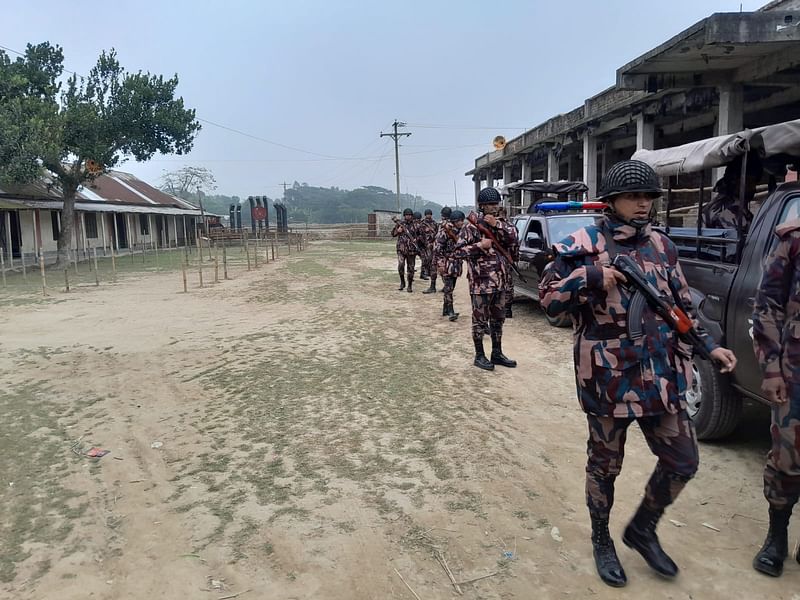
(727, 72)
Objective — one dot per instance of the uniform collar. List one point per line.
(623, 232)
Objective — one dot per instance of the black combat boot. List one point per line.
(431, 289)
(402, 282)
(453, 315)
(605, 555)
(424, 276)
(640, 534)
(769, 559)
(445, 310)
(498, 357)
(480, 357)
(408, 288)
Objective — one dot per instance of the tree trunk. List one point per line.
(67, 226)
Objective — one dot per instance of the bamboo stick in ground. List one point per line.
(216, 263)
(114, 263)
(200, 268)
(3, 266)
(183, 273)
(66, 279)
(224, 259)
(22, 260)
(247, 252)
(255, 255)
(41, 268)
(96, 276)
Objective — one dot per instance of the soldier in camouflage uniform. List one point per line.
(620, 380)
(487, 273)
(723, 210)
(776, 339)
(428, 228)
(514, 251)
(447, 266)
(406, 233)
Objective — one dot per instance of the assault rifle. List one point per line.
(487, 233)
(407, 235)
(646, 293)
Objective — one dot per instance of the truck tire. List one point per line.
(714, 406)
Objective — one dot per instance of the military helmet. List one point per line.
(407, 211)
(446, 212)
(428, 211)
(629, 176)
(456, 216)
(489, 195)
(417, 214)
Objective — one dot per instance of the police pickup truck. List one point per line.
(724, 266)
(545, 224)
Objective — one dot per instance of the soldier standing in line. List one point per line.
(406, 233)
(447, 266)
(621, 380)
(514, 252)
(487, 271)
(429, 228)
(776, 339)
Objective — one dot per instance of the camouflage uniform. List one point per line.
(428, 230)
(776, 339)
(446, 266)
(488, 274)
(723, 209)
(406, 234)
(620, 380)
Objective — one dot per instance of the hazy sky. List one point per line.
(327, 77)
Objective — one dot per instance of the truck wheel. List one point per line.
(713, 404)
(558, 321)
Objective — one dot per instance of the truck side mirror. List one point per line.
(534, 240)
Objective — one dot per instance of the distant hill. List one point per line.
(309, 204)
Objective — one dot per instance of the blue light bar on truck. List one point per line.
(571, 205)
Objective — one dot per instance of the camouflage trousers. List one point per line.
(426, 258)
(407, 262)
(670, 437)
(447, 290)
(488, 314)
(782, 472)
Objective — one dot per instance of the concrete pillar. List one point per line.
(527, 175)
(730, 118)
(570, 167)
(477, 180)
(552, 165)
(645, 133)
(507, 174)
(590, 164)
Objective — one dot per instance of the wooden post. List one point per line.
(22, 260)
(66, 279)
(200, 261)
(224, 259)
(3, 266)
(183, 273)
(113, 263)
(255, 255)
(41, 268)
(116, 235)
(247, 251)
(103, 229)
(216, 262)
(272, 243)
(289, 242)
(96, 276)
(84, 236)
(9, 242)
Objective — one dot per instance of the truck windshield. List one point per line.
(563, 226)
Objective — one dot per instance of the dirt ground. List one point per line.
(307, 431)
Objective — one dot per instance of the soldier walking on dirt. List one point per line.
(406, 233)
(487, 272)
(447, 266)
(776, 339)
(621, 380)
(429, 228)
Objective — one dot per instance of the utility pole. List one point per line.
(284, 190)
(395, 136)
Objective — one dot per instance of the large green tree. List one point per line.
(79, 128)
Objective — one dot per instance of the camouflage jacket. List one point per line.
(443, 247)
(428, 230)
(617, 376)
(407, 235)
(487, 270)
(776, 318)
(722, 213)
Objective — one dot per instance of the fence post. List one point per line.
(96, 276)
(183, 273)
(216, 262)
(41, 268)
(3, 266)
(224, 259)
(66, 278)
